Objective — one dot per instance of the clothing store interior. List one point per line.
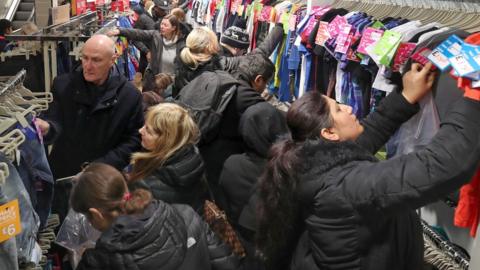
(239, 134)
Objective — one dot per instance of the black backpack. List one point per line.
(207, 97)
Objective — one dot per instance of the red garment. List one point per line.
(468, 208)
(465, 83)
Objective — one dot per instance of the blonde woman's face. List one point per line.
(148, 137)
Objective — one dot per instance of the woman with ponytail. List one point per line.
(141, 233)
(326, 202)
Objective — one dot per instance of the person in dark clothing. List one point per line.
(160, 10)
(201, 53)
(324, 189)
(164, 47)
(141, 233)
(235, 40)
(143, 22)
(95, 116)
(260, 126)
(254, 72)
(5, 29)
(171, 167)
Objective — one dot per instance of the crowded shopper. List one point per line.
(170, 165)
(143, 22)
(164, 47)
(327, 202)
(139, 232)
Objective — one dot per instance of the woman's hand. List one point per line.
(113, 32)
(418, 82)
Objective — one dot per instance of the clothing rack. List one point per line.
(454, 253)
(13, 82)
(4, 173)
(460, 14)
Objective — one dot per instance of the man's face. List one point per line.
(96, 64)
(159, 12)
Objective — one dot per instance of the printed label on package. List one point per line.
(449, 48)
(421, 56)
(344, 39)
(335, 26)
(322, 33)
(404, 52)
(369, 38)
(385, 46)
(461, 65)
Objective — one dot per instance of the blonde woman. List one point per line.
(170, 165)
(201, 53)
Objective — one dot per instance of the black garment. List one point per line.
(224, 51)
(260, 126)
(229, 140)
(179, 180)
(360, 213)
(144, 22)
(86, 126)
(184, 74)
(162, 237)
(3, 43)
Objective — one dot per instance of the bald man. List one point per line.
(95, 115)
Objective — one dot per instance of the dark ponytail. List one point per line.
(279, 212)
(278, 206)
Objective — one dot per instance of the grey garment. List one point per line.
(8, 248)
(14, 189)
(154, 41)
(169, 54)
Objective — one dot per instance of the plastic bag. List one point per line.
(417, 132)
(76, 234)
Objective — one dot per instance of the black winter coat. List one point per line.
(179, 180)
(260, 126)
(86, 129)
(163, 237)
(360, 213)
(229, 140)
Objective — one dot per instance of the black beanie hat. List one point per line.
(236, 35)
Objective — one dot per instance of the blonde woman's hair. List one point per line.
(201, 45)
(174, 129)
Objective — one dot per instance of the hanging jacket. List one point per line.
(360, 213)
(162, 237)
(92, 124)
(179, 179)
(155, 42)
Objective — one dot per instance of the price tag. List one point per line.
(322, 33)
(461, 65)
(386, 45)
(344, 39)
(404, 52)
(335, 26)
(370, 37)
(9, 220)
(421, 56)
(449, 48)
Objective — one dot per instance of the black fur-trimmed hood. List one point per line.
(321, 156)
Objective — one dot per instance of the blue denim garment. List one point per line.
(14, 189)
(35, 172)
(8, 248)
